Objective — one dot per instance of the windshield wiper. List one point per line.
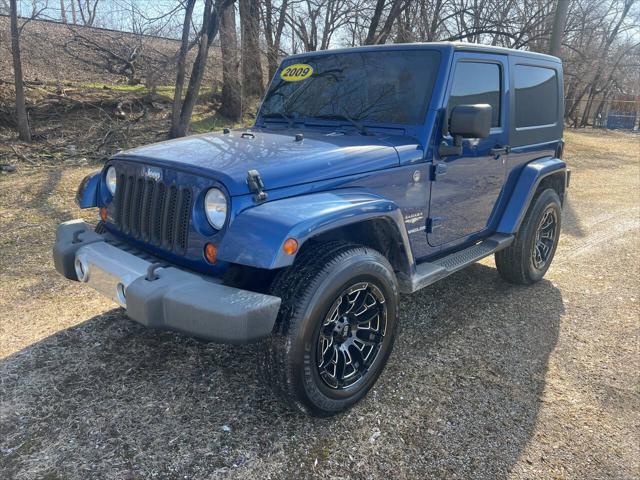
(289, 119)
(342, 116)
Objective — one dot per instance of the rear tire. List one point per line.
(335, 329)
(528, 258)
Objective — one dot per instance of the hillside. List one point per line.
(59, 53)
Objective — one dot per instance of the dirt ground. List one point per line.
(487, 380)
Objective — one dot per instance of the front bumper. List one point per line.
(162, 297)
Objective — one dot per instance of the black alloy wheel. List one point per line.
(351, 335)
(545, 239)
(335, 329)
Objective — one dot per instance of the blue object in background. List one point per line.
(617, 120)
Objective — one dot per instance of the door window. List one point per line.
(476, 82)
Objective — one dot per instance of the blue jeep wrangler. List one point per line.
(369, 172)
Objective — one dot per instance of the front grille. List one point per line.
(153, 212)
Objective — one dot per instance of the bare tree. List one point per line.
(115, 53)
(24, 132)
(63, 12)
(559, 21)
(379, 34)
(88, 10)
(251, 64)
(74, 18)
(318, 21)
(209, 30)
(231, 101)
(274, 19)
(181, 69)
(610, 37)
(595, 45)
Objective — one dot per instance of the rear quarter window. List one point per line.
(536, 96)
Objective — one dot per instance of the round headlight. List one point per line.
(215, 206)
(111, 180)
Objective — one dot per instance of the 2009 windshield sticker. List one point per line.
(296, 72)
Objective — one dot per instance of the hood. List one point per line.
(279, 158)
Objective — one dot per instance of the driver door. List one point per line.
(466, 187)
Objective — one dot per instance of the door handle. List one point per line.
(497, 151)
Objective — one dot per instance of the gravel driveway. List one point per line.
(487, 380)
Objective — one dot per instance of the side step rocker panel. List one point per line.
(430, 272)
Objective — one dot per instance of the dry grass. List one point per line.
(487, 380)
(82, 124)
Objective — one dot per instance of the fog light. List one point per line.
(290, 246)
(210, 252)
(103, 214)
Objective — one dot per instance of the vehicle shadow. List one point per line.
(111, 399)
(571, 223)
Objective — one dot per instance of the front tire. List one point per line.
(335, 329)
(529, 257)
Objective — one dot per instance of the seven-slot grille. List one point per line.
(153, 212)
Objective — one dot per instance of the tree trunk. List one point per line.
(251, 64)
(559, 22)
(231, 105)
(24, 132)
(74, 19)
(378, 37)
(375, 20)
(180, 70)
(273, 33)
(210, 24)
(63, 12)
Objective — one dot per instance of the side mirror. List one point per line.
(466, 121)
(470, 121)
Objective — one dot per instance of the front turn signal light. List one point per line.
(290, 246)
(103, 214)
(210, 252)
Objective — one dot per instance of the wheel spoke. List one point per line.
(372, 338)
(340, 366)
(327, 353)
(544, 239)
(350, 335)
(368, 315)
(548, 235)
(358, 301)
(357, 358)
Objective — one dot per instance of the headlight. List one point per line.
(215, 206)
(111, 180)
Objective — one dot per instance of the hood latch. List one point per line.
(256, 186)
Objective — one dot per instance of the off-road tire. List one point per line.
(515, 263)
(287, 359)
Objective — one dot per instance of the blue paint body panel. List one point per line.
(256, 237)
(336, 176)
(281, 160)
(530, 176)
(89, 191)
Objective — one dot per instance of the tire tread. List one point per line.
(512, 262)
(294, 285)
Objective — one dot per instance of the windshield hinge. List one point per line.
(256, 186)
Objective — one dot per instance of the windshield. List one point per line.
(357, 87)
